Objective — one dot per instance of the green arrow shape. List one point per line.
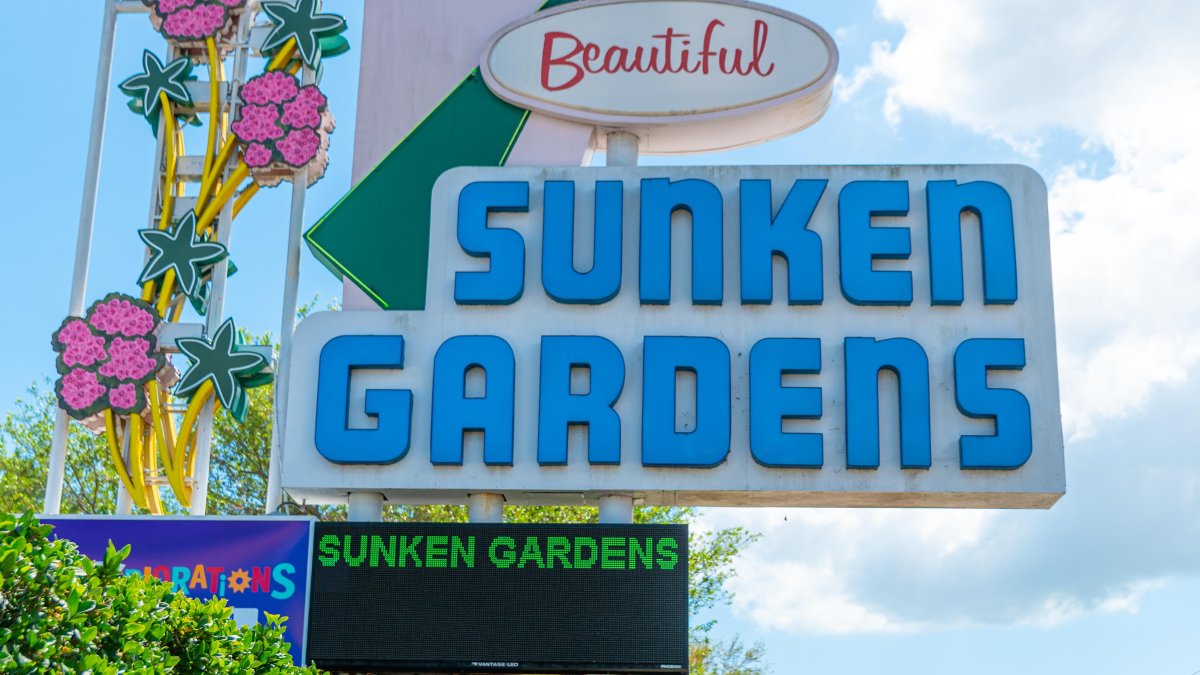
(378, 234)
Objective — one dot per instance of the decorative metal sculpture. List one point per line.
(114, 375)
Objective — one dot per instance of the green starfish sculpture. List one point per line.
(180, 249)
(303, 21)
(221, 361)
(157, 78)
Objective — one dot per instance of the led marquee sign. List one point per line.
(831, 336)
(421, 597)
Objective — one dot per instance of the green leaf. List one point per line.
(334, 46)
(113, 557)
(220, 361)
(302, 21)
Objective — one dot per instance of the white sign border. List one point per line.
(311, 477)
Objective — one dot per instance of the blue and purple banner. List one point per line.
(257, 565)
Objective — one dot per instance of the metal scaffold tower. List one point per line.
(115, 357)
(184, 184)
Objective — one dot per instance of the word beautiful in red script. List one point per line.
(670, 54)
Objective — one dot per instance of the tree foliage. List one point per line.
(709, 657)
(90, 485)
(61, 612)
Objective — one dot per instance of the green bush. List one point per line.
(60, 612)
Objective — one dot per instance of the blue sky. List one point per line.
(1098, 96)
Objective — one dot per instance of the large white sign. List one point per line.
(825, 336)
(686, 75)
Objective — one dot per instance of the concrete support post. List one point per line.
(616, 509)
(365, 507)
(486, 508)
(622, 149)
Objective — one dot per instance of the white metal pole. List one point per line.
(57, 470)
(124, 501)
(287, 326)
(485, 507)
(204, 436)
(216, 305)
(622, 150)
(83, 243)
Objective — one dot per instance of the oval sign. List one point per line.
(686, 75)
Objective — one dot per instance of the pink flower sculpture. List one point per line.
(122, 315)
(273, 87)
(300, 146)
(83, 347)
(129, 360)
(258, 123)
(80, 389)
(106, 358)
(284, 127)
(123, 396)
(191, 21)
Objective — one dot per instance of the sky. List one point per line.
(1098, 96)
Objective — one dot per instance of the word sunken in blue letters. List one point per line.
(767, 231)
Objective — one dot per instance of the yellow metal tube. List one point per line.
(189, 421)
(228, 190)
(284, 55)
(137, 477)
(211, 175)
(243, 198)
(150, 461)
(114, 449)
(165, 432)
(214, 95)
(168, 190)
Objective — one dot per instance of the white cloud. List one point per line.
(816, 601)
(1122, 77)
(1126, 525)
(1016, 68)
